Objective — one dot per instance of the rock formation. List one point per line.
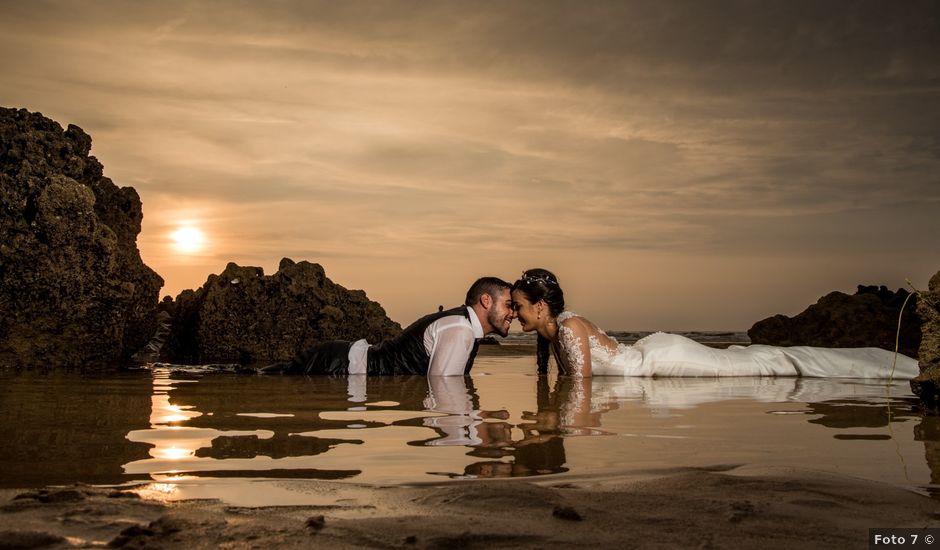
(869, 318)
(243, 316)
(73, 289)
(927, 385)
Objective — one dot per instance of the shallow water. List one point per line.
(254, 440)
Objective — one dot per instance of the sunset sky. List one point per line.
(679, 165)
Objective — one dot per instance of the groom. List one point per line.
(440, 344)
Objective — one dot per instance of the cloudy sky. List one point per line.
(679, 165)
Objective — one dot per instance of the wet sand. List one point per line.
(714, 507)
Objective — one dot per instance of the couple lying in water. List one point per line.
(445, 344)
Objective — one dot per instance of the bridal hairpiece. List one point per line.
(541, 279)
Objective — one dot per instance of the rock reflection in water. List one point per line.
(928, 431)
(61, 427)
(241, 426)
(846, 414)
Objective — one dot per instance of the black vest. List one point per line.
(405, 354)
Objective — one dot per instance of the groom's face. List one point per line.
(500, 314)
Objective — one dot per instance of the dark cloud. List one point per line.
(606, 131)
(732, 45)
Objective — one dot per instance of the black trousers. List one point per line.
(331, 358)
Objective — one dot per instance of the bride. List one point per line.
(580, 348)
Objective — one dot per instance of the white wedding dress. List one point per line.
(581, 345)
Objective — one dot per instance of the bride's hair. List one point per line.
(541, 284)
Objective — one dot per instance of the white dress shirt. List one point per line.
(448, 342)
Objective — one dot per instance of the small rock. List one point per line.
(168, 525)
(32, 495)
(123, 494)
(316, 522)
(740, 511)
(47, 496)
(65, 495)
(129, 534)
(566, 513)
(411, 539)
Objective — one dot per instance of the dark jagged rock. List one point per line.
(869, 318)
(927, 384)
(73, 289)
(243, 316)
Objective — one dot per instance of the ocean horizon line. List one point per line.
(631, 336)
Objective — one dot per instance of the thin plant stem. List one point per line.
(897, 337)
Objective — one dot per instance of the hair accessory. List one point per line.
(544, 279)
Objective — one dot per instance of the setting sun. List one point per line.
(188, 239)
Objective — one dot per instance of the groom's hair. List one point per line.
(485, 285)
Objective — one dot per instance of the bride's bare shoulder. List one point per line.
(579, 326)
(575, 322)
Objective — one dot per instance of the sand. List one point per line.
(719, 507)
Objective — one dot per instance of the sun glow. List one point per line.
(171, 453)
(188, 239)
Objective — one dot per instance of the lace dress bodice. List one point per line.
(581, 345)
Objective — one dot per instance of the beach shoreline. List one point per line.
(714, 506)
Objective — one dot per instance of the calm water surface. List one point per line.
(255, 440)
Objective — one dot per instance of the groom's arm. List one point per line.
(451, 350)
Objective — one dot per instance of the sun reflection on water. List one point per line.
(174, 445)
(172, 453)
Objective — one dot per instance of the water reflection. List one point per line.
(459, 420)
(63, 427)
(564, 409)
(233, 426)
(685, 393)
(174, 427)
(281, 426)
(489, 435)
(928, 431)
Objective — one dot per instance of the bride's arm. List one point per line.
(573, 337)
